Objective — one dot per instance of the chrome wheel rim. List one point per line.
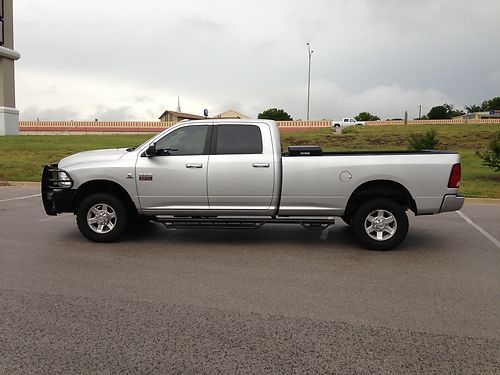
(101, 218)
(381, 225)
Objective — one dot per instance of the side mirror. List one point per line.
(151, 150)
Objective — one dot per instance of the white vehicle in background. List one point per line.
(345, 122)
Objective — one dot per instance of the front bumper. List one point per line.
(56, 199)
(452, 203)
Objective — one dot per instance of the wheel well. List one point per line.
(104, 186)
(380, 189)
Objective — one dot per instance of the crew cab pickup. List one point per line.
(347, 121)
(233, 173)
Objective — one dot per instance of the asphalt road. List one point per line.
(276, 300)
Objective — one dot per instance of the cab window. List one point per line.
(238, 139)
(188, 140)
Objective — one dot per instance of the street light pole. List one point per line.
(309, 79)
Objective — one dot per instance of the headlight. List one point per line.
(64, 180)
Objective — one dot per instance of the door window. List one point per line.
(189, 140)
(238, 139)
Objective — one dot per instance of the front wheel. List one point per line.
(102, 218)
(380, 224)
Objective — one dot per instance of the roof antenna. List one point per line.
(178, 104)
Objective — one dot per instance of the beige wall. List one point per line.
(90, 127)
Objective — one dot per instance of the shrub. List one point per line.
(491, 157)
(348, 130)
(428, 141)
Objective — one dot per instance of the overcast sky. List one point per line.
(129, 59)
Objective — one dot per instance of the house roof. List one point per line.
(182, 115)
(231, 114)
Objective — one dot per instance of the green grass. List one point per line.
(22, 157)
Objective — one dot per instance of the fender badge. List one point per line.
(145, 177)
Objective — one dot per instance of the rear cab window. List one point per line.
(238, 139)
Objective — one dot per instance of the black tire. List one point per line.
(347, 219)
(390, 228)
(105, 228)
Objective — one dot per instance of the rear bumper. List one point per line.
(452, 203)
(55, 199)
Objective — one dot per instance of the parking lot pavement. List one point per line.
(277, 300)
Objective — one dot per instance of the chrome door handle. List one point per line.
(260, 165)
(194, 165)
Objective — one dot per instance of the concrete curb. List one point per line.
(19, 183)
(482, 201)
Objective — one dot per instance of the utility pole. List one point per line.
(420, 111)
(309, 79)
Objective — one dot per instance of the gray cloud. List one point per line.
(33, 112)
(122, 113)
(253, 55)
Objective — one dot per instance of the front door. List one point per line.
(174, 181)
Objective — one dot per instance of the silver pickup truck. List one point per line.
(233, 173)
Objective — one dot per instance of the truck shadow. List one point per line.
(339, 237)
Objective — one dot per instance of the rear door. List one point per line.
(241, 169)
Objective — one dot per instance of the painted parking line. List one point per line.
(50, 218)
(19, 198)
(481, 230)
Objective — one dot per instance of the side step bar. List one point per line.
(242, 222)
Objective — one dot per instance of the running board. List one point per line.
(242, 223)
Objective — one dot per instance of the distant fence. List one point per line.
(92, 127)
(89, 127)
(436, 122)
(138, 127)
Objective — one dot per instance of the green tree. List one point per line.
(491, 157)
(492, 104)
(275, 114)
(428, 141)
(473, 108)
(452, 112)
(487, 105)
(366, 116)
(438, 113)
(445, 111)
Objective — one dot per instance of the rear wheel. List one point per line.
(380, 224)
(102, 218)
